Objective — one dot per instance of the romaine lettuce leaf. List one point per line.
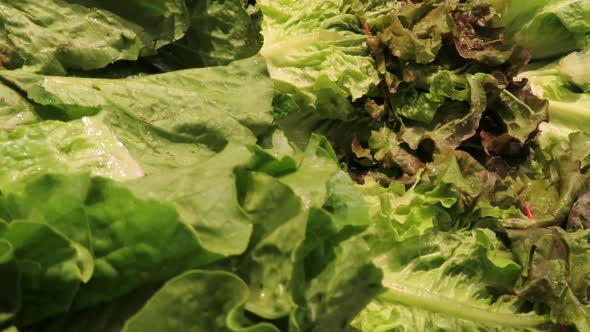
(161, 21)
(10, 299)
(56, 36)
(201, 311)
(565, 84)
(111, 225)
(50, 268)
(87, 144)
(448, 281)
(219, 33)
(317, 54)
(209, 205)
(548, 28)
(8, 53)
(308, 244)
(42, 35)
(221, 104)
(14, 109)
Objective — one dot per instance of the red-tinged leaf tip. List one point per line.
(528, 211)
(561, 328)
(368, 30)
(1, 64)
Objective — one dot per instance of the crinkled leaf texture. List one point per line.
(55, 36)
(317, 54)
(549, 28)
(179, 102)
(219, 33)
(565, 84)
(442, 281)
(556, 267)
(433, 278)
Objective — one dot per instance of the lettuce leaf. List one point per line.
(443, 281)
(220, 32)
(178, 102)
(437, 276)
(548, 28)
(565, 84)
(14, 109)
(50, 146)
(49, 268)
(317, 54)
(10, 300)
(200, 311)
(555, 265)
(57, 36)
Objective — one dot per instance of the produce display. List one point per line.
(294, 165)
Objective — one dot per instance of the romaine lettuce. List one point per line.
(317, 54)
(548, 28)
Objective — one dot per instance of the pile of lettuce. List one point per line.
(294, 165)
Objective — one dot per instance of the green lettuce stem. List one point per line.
(440, 304)
(569, 114)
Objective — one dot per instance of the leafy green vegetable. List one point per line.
(316, 53)
(555, 264)
(579, 216)
(219, 32)
(440, 281)
(200, 310)
(548, 28)
(423, 107)
(210, 205)
(10, 300)
(156, 173)
(14, 109)
(50, 268)
(161, 21)
(453, 125)
(307, 245)
(42, 36)
(50, 146)
(434, 278)
(178, 102)
(100, 205)
(562, 83)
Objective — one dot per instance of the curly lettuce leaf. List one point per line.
(579, 216)
(453, 124)
(555, 264)
(423, 106)
(435, 278)
(443, 281)
(416, 31)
